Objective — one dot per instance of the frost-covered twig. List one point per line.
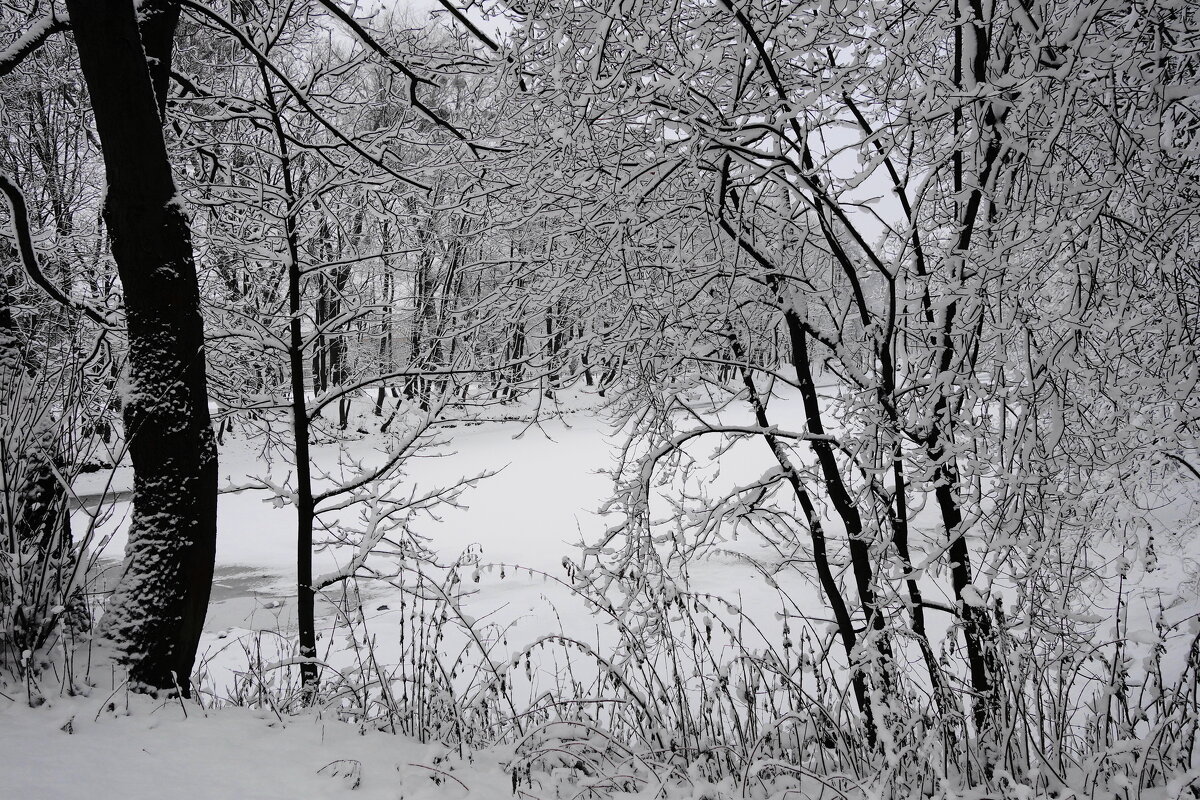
(19, 219)
(33, 37)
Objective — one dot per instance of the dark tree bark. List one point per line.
(305, 507)
(156, 613)
(329, 349)
(387, 359)
(970, 69)
(842, 615)
(301, 421)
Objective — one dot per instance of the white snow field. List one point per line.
(509, 536)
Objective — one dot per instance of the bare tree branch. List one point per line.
(1187, 464)
(31, 40)
(300, 96)
(20, 226)
(459, 15)
(413, 78)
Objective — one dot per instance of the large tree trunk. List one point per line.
(156, 613)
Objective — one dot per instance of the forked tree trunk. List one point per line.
(157, 611)
(834, 596)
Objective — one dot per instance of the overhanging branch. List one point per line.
(31, 40)
(20, 226)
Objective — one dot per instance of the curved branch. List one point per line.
(1185, 463)
(20, 226)
(413, 78)
(31, 40)
(300, 96)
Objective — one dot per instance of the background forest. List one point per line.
(880, 319)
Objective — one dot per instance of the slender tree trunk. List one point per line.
(386, 328)
(305, 506)
(584, 360)
(842, 616)
(421, 301)
(156, 613)
(323, 357)
(839, 495)
(970, 64)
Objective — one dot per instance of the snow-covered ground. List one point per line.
(79, 748)
(515, 527)
(542, 499)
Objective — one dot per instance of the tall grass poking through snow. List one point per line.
(683, 688)
(408, 684)
(48, 437)
(675, 686)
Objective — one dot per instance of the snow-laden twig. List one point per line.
(33, 37)
(19, 220)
